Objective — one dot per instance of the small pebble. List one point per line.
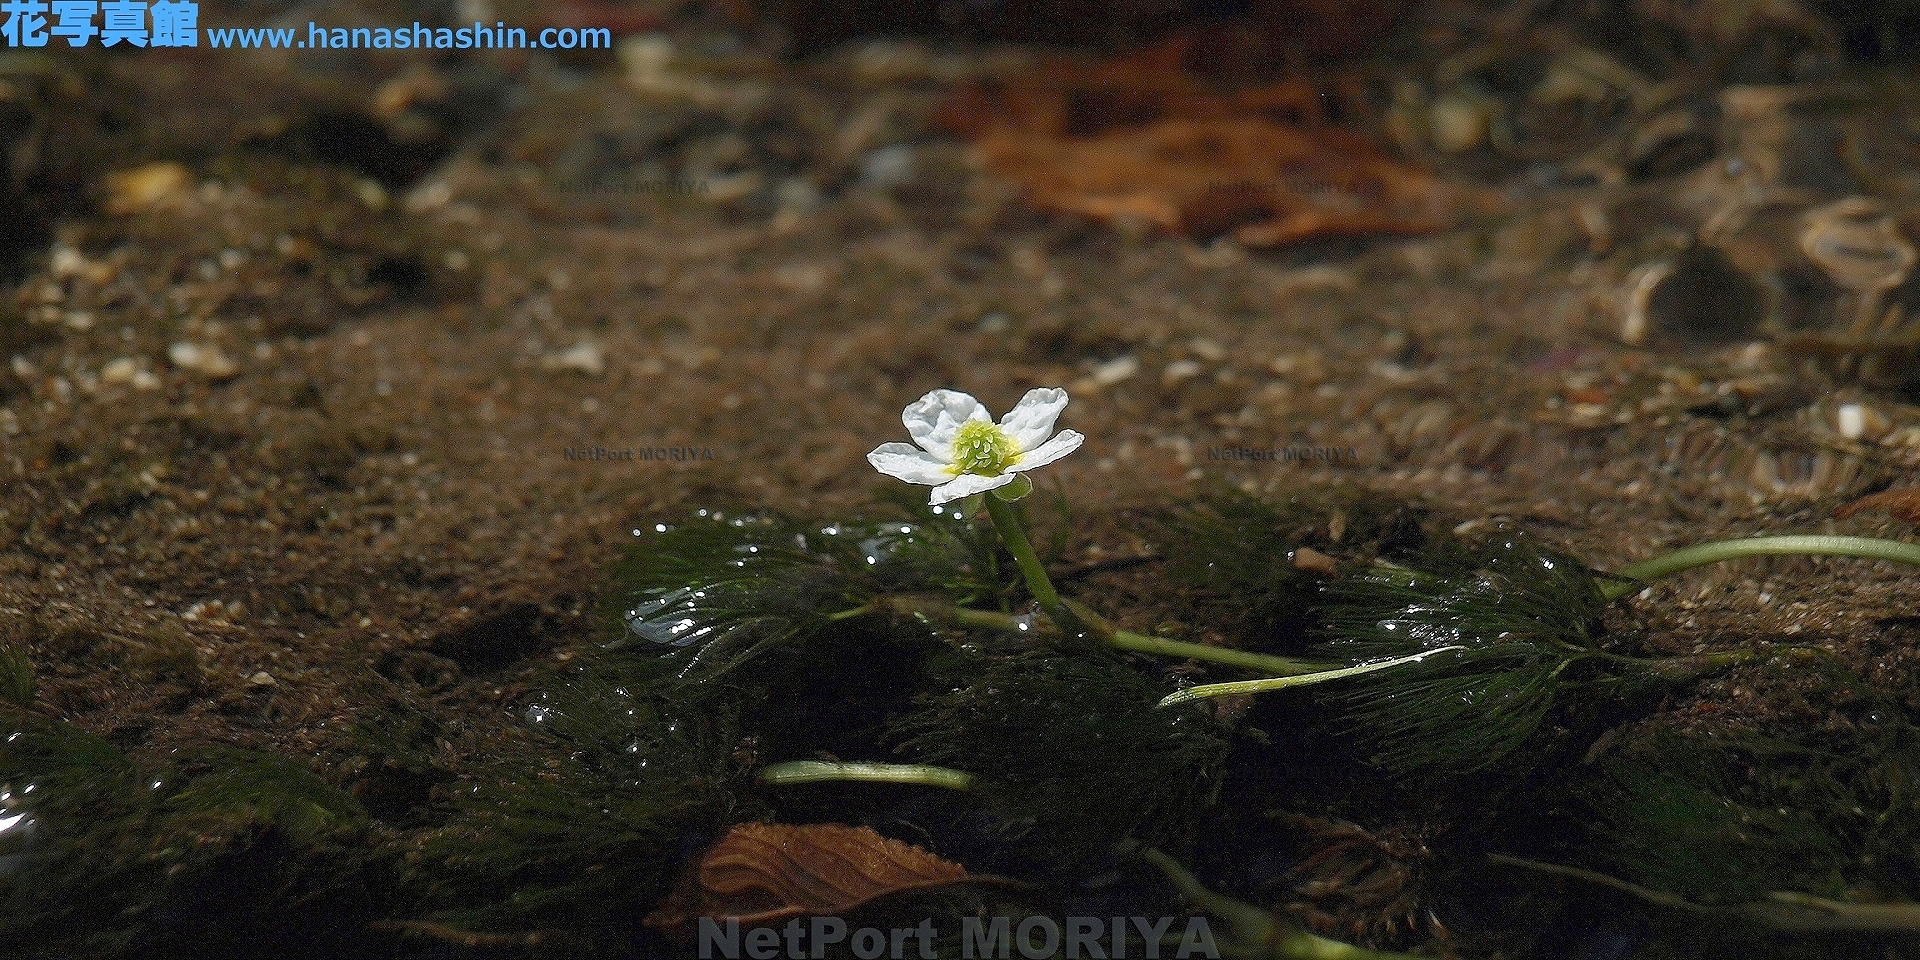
(1852, 422)
(261, 679)
(1458, 123)
(1114, 371)
(126, 371)
(585, 357)
(1179, 372)
(1313, 561)
(208, 361)
(146, 188)
(1212, 351)
(888, 166)
(1857, 421)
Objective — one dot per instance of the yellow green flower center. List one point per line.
(982, 448)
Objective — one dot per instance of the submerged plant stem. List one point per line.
(1797, 545)
(1786, 910)
(1015, 536)
(1281, 683)
(821, 771)
(1254, 932)
(1124, 639)
(1281, 666)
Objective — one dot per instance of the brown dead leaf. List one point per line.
(1901, 504)
(764, 872)
(1141, 139)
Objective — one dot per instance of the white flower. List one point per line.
(960, 450)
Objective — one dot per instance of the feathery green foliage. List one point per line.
(581, 840)
(715, 593)
(99, 843)
(1233, 552)
(1071, 748)
(1739, 816)
(16, 675)
(1686, 822)
(1525, 617)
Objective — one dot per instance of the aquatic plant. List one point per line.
(102, 853)
(1252, 933)
(16, 675)
(769, 666)
(959, 451)
(966, 453)
(1759, 835)
(1068, 750)
(1462, 660)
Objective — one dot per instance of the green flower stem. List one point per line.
(1785, 910)
(1205, 690)
(1279, 666)
(1008, 524)
(1253, 932)
(1124, 639)
(1686, 558)
(821, 771)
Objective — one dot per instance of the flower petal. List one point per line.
(1067, 442)
(966, 485)
(1030, 422)
(933, 419)
(909, 463)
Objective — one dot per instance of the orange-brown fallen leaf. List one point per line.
(1901, 504)
(765, 872)
(1140, 139)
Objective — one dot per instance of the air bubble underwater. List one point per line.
(665, 620)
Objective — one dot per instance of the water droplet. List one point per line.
(537, 714)
(661, 528)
